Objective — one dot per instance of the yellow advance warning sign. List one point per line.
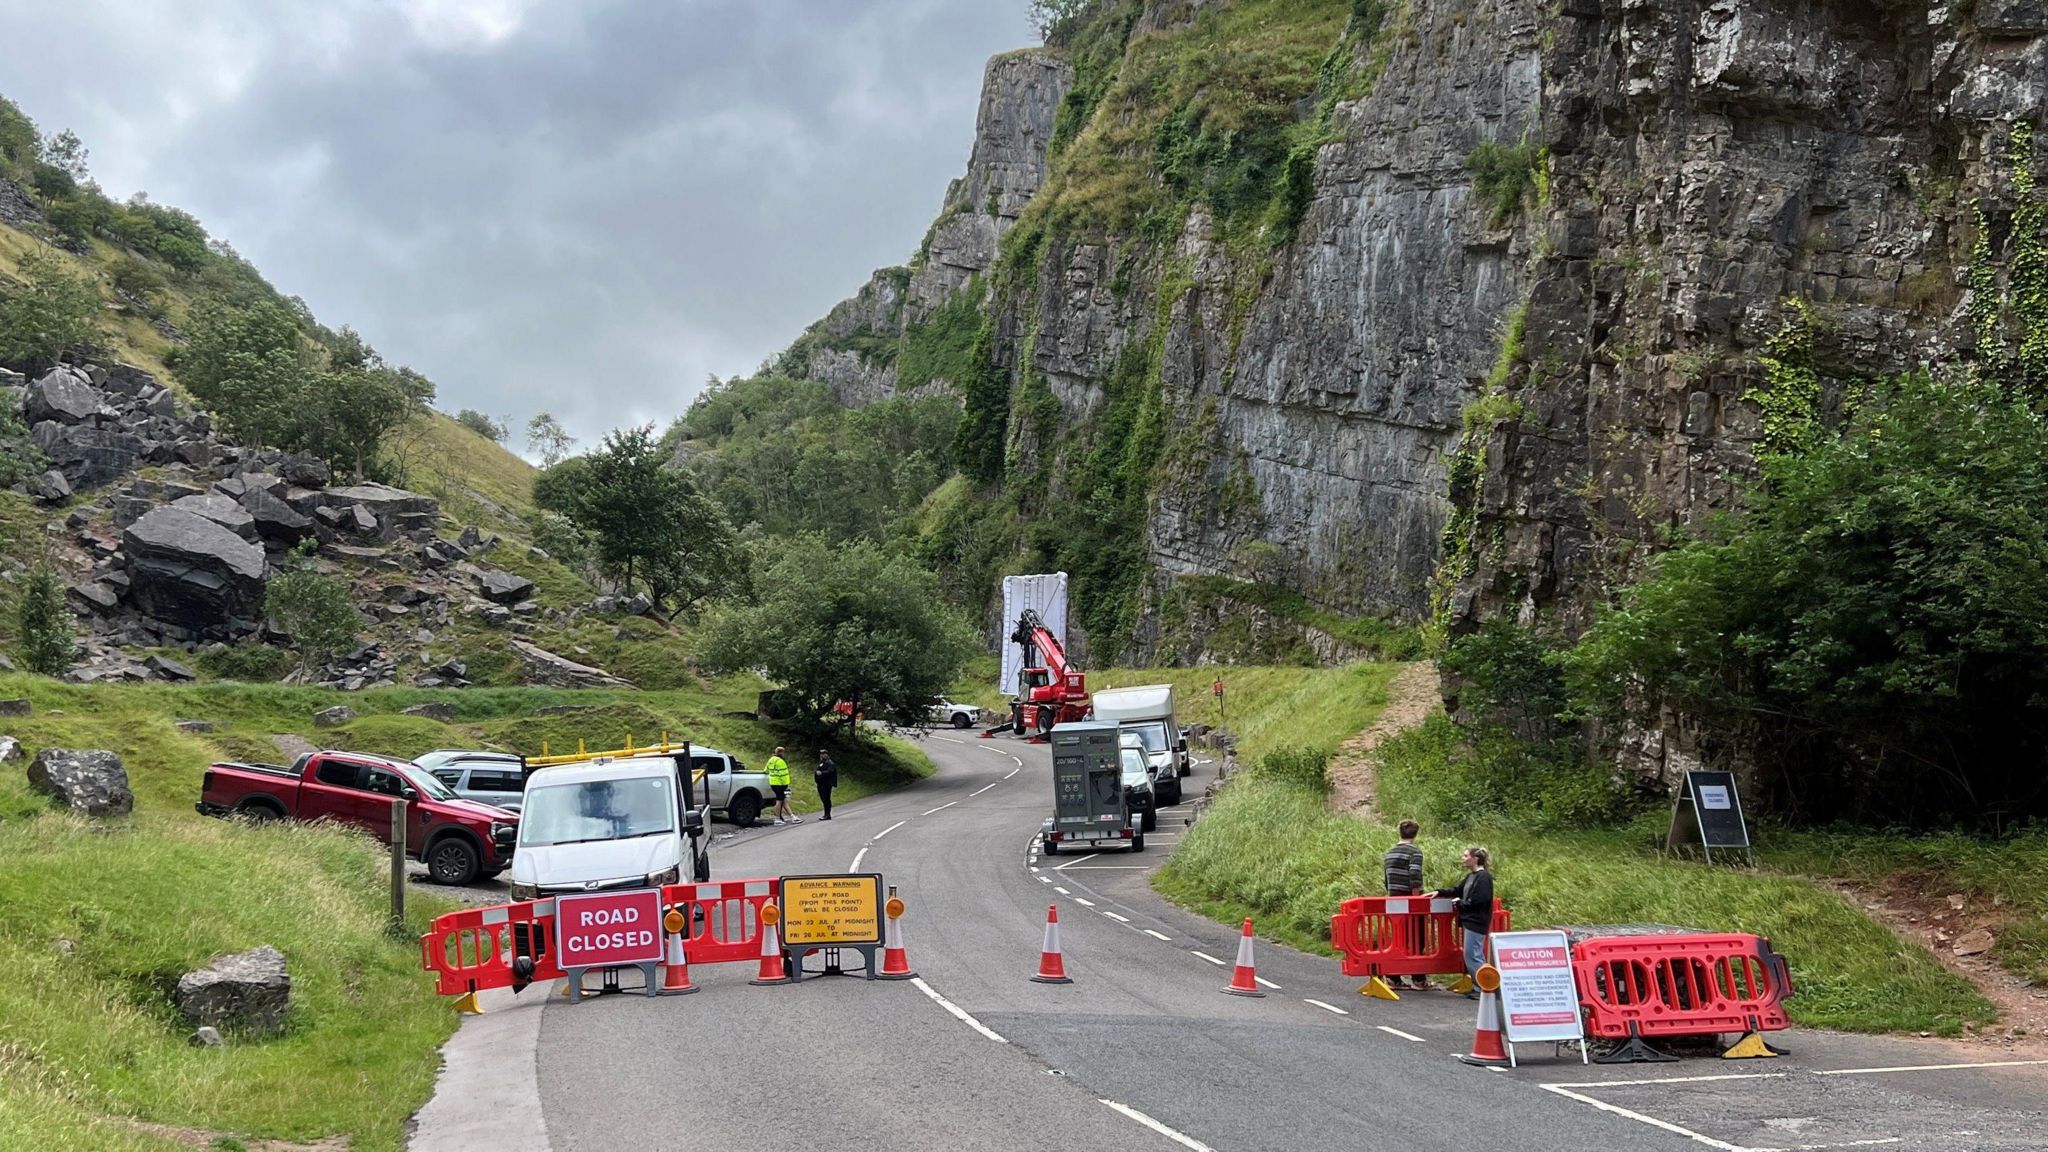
(831, 911)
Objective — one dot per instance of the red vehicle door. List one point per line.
(380, 787)
(333, 791)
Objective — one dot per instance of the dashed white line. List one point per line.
(1652, 1121)
(1267, 983)
(1209, 958)
(958, 1012)
(1061, 891)
(979, 791)
(855, 866)
(1181, 1138)
(1084, 901)
(1157, 935)
(1045, 879)
(1034, 869)
(1117, 918)
(1327, 1007)
(1015, 770)
(940, 808)
(890, 828)
(1401, 1034)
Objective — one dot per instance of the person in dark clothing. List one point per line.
(1474, 895)
(827, 776)
(1403, 866)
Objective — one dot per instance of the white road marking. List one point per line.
(1117, 918)
(1327, 1007)
(1652, 1121)
(1209, 958)
(1106, 867)
(1084, 901)
(1015, 770)
(1157, 936)
(940, 808)
(958, 1012)
(1061, 891)
(979, 791)
(890, 828)
(1074, 861)
(1034, 869)
(1926, 1068)
(1843, 1144)
(1681, 1080)
(855, 866)
(1181, 1138)
(1267, 983)
(1401, 1034)
(1045, 879)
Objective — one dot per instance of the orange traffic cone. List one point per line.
(895, 965)
(1488, 1048)
(1052, 967)
(1244, 981)
(675, 975)
(772, 969)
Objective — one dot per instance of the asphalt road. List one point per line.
(1143, 1050)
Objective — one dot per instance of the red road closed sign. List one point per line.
(610, 930)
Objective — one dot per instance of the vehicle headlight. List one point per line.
(502, 831)
(525, 892)
(673, 876)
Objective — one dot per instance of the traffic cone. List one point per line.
(772, 969)
(1052, 967)
(895, 965)
(1488, 1050)
(675, 975)
(1244, 981)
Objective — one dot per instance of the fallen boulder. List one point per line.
(169, 669)
(222, 510)
(91, 783)
(88, 457)
(273, 519)
(63, 394)
(544, 667)
(245, 993)
(445, 713)
(10, 749)
(191, 573)
(503, 587)
(20, 707)
(333, 717)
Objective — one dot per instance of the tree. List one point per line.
(649, 524)
(252, 366)
(43, 625)
(851, 623)
(482, 425)
(52, 312)
(1051, 18)
(546, 436)
(354, 413)
(67, 153)
(312, 608)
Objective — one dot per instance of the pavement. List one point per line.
(1142, 1050)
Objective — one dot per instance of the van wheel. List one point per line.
(745, 809)
(452, 861)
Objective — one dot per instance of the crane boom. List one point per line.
(1050, 689)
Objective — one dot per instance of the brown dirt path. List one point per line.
(1412, 696)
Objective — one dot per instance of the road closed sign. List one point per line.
(831, 911)
(1538, 999)
(612, 930)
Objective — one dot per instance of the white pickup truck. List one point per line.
(730, 786)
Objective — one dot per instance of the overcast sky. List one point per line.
(583, 206)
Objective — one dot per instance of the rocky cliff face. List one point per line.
(1568, 226)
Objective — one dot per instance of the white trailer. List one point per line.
(1147, 711)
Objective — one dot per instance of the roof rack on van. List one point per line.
(584, 756)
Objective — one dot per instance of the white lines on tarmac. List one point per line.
(1076, 860)
(1117, 918)
(1327, 1007)
(1652, 1121)
(979, 791)
(890, 828)
(855, 866)
(1181, 1138)
(1061, 891)
(1157, 935)
(1926, 1068)
(958, 1012)
(1209, 958)
(1045, 879)
(1263, 982)
(940, 808)
(1084, 901)
(1014, 771)
(1401, 1034)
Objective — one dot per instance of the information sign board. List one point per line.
(1538, 999)
(832, 911)
(609, 929)
(1708, 814)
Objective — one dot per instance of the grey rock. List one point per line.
(360, 521)
(636, 605)
(17, 207)
(470, 538)
(333, 717)
(246, 993)
(50, 488)
(301, 470)
(10, 750)
(128, 380)
(64, 394)
(504, 587)
(395, 510)
(206, 1036)
(445, 713)
(87, 456)
(197, 727)
(169, 669)
(20, 707)
(545, 667)
(273, 519)
(96, 597)
(92, 783)
(222, 511)
(191, 573)
(79, 517)
(496, 616)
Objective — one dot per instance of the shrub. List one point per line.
(248, 663)
(43, 625)
(1505, 176)
(313, 609)
(1298, 766)
(52, 312)
(482, 425)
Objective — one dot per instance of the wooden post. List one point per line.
(398, 868)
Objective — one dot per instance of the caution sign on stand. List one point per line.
(828, 913)
(1539, 1001)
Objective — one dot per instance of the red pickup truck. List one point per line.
(458, 840)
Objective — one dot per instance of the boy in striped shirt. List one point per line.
(1404, 878)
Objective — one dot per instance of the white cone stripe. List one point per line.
(1052, 936)
(1489, 1013)
(1244, 952)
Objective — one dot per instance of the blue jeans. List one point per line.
(1475, 951)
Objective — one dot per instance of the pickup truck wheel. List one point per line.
(1151, 819)
(452, 860)
(744, 810)
(258, 812)
(962, 720)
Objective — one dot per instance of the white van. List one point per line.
(1147, 712)
(627, 823)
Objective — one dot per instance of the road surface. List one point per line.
(1143, 1051)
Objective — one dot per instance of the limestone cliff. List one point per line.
(1290, 252)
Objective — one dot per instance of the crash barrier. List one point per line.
(1381, 936)
(1631, 987)
(513, 945)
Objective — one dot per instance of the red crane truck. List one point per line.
(1049, 690)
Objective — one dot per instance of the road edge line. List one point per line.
(1652, 1121)
(958, 1012)
(1172, 1134)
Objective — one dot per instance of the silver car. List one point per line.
(497, 778)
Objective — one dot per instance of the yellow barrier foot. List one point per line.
(466, 1005)
(1751, 1047)
(1462, 985)
(1378, 990)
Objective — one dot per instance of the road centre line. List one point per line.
(1061, 891)
(1925, 1068)
(1401, 1034)
(940, 808)
(1044, 879)
(1015, 770)
(1084, 901)
(979, 791)
(1074, 861)
(1327, 1007)
(1652, 1121)
(890, 828)
(1267, 983)
(1157, 935)
(1181, 1138)
(1209, 958)
(958, 1012)
(1117, 918)
(855, 866)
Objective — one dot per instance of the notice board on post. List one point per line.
(832, 911)
(1538, 999)
(1708, 815)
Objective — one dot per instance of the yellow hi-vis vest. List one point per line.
(778, 771)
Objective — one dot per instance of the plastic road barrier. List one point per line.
(1381, 936)
(1632, 987)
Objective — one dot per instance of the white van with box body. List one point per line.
(627, 823)
(1147, 711)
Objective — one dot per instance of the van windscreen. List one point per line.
(597, 810)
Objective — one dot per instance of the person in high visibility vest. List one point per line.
(778, 781)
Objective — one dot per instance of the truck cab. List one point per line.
(634, 822)
(1146, 713)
